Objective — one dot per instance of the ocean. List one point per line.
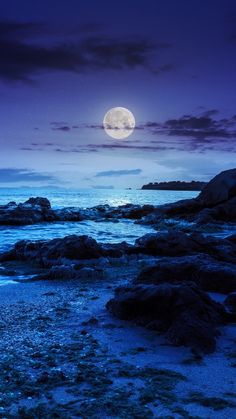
(109, 232)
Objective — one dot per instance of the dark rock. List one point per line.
(185, 209)
(206, 272)
(216, 202)
(187, 315)
(57, 251)
(41, 202)
(220, 189)
(178, 243)
(172, 243)
(230, 302)
(71, 214)
(70, 247)
(116, 250)
(35, 210)
(135, 212)
(222, 212)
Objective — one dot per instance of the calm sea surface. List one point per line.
(84, 198)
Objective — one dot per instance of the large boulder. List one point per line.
(220, 189)
(171, 243)
(215, 203)
(187, 315)
(178, 243)
(208, 273)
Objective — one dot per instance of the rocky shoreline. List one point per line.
(177, 285)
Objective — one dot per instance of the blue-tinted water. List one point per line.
(84, 198)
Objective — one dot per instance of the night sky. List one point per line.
(65, 63)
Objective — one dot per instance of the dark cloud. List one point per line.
(10, 175)
(61, 126)
(19, 31)
(23, 56)
(64, 128)
(119, 173)
(194, 133)
(198, 127)
(210, 112)
(201, 126)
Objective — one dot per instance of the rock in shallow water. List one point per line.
(73, 247)
(35, 210)
(187, 315)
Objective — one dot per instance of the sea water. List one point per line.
(110, 232)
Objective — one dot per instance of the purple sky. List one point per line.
(64, 64)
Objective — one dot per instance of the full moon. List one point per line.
(119, 123)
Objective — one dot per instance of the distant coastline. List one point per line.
(175, 186)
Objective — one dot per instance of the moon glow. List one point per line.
(119, 123)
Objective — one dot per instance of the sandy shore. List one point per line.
(64, 356)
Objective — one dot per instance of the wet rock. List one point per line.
(34, 210)
(135, 212)
(41, 202)
(187, 315)
(70, 248)
(206, 272)
(70, 214)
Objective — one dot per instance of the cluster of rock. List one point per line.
(215, 203)
(170, 296)
(39, 210)
(34, 210)
(175, 186)
(184, 313)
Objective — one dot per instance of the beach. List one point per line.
(141, 328)
(64, 355)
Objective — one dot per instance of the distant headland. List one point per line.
(175, 186)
